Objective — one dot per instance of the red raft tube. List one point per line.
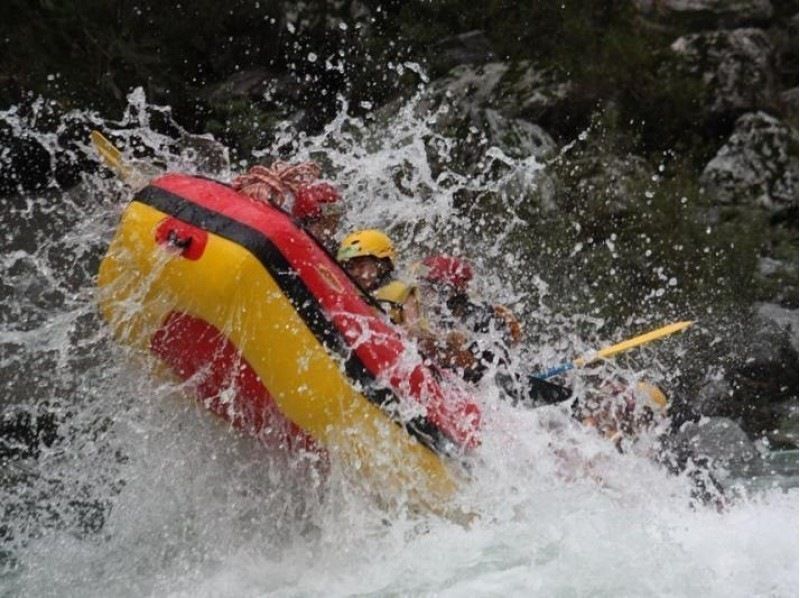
(233, 295)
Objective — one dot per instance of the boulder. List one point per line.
(783, 318)
(245, 109)
(718, 439)
(757, 165)
(777, 281)
(767, 342)
(506, 155)
(599, 182)
(711, 397)
(706, 14)
(257, 84)
(482, 140)
(785, 433)
(517, 138)
(471, 47)
(205, 153)
(735, 66)
(535, 93)
(515, 149)
(518, 90)
(759, 388)
(464, 89)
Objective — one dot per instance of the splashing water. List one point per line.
(133, 489)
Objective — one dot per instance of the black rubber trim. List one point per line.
(302, 299)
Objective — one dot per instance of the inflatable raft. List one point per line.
(234, 297)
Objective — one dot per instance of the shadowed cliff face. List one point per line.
(89, 53)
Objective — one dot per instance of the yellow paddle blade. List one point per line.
(111, 155)
(635, 342)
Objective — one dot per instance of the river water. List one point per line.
(139, 491)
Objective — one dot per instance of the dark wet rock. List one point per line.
(515, 156)
(517, 138)
(735, 66)
(252, 83)
(610, 183)
(245, 109)
(706, 14)
(518, 90)
(770, 334)
(359, 11)
(759, 388)
(711, 396)
(481, 141)
(719, 439)
(255, 84)
(785, 433)
(789, 105)
(463, 89)
(777, 282)
(757, 165)
(512, 156)
(484, 110)
(205, 152)
(533, 92)
(471, 47)
(785, 319)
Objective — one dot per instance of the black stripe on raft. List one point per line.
(302, 299)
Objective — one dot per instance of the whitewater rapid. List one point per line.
(145, 493)
(206, 513)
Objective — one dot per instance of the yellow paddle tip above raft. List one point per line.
(111, 156)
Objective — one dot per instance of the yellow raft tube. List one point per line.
(231, 294)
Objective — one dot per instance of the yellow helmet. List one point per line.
(394, 292)
(366, 242)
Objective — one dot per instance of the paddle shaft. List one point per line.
(606, 352)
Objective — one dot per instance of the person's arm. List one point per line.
(449, 350)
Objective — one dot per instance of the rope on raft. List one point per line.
(274, 183)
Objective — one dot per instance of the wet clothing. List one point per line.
(619, 413)
(394, 297)
(478, 329)
(472, 338)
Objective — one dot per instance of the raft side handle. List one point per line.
(189, 240)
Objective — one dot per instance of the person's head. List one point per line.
(619, 410)
(368, 256)
(447, 277)
(317, 208)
